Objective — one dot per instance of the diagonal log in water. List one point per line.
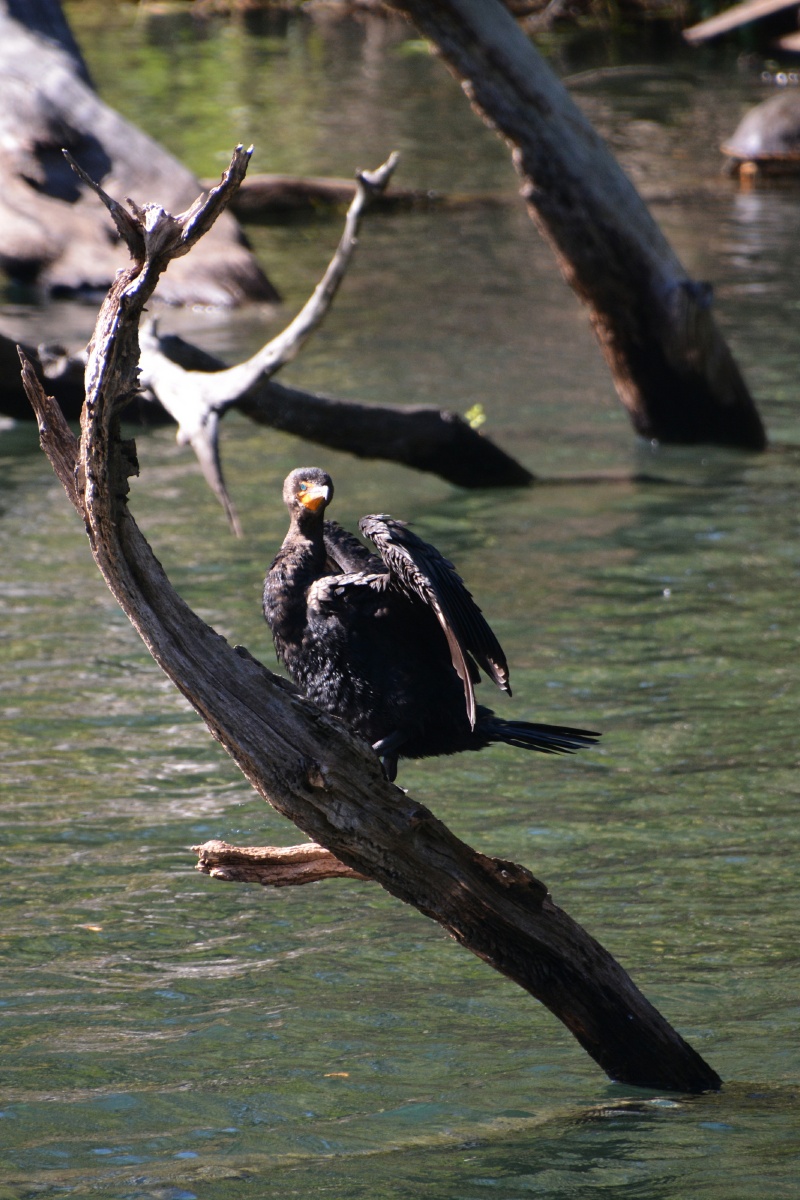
(307, 764)
(671, 366)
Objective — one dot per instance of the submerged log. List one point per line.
(197, 390)
(265, 197)
(419, 436)
(308, 764)
(268, 195)
(671, 366)
(52, 231)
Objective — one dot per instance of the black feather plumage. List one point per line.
(390, 642)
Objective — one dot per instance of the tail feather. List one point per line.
(549, 739)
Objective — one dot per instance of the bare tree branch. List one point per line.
(197, 399)
(423, 437)
(419, 436)
(222, 389)
(57, 439)
(316, 772)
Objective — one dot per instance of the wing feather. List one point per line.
(346, 554)
(421, 571)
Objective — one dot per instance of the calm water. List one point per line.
(168, 1036)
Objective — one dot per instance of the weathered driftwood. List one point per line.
(46, 18)
(271, 866)
(671, 366)
(198, 399)
(308, 764)
(418, 436)
(196, 390)
(51, 229)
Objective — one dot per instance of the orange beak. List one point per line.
(314, 497)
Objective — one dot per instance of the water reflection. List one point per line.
(167, 1036)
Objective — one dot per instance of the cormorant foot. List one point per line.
(386, 749)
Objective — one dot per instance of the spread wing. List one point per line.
(348, 589)
(420, 570)
(346, 554)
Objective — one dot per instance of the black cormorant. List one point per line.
(392, 642)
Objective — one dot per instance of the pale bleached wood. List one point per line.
(198, 399)
(271, 866)
(734, 17)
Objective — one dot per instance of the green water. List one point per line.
(165, 1035)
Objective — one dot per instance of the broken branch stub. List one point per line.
(326, 780)
(271, 866)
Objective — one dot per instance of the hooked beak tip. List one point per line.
(315, 497)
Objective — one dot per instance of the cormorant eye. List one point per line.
(302, 487)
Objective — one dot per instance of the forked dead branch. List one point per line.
(309, 765)
(198, 399)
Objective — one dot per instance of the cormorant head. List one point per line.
(308, 489)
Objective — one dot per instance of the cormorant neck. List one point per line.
(307, 524)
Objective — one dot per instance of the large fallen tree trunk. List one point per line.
(308, 764)
(52, 230)
(671, 366)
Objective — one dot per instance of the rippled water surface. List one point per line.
(168, 1036)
